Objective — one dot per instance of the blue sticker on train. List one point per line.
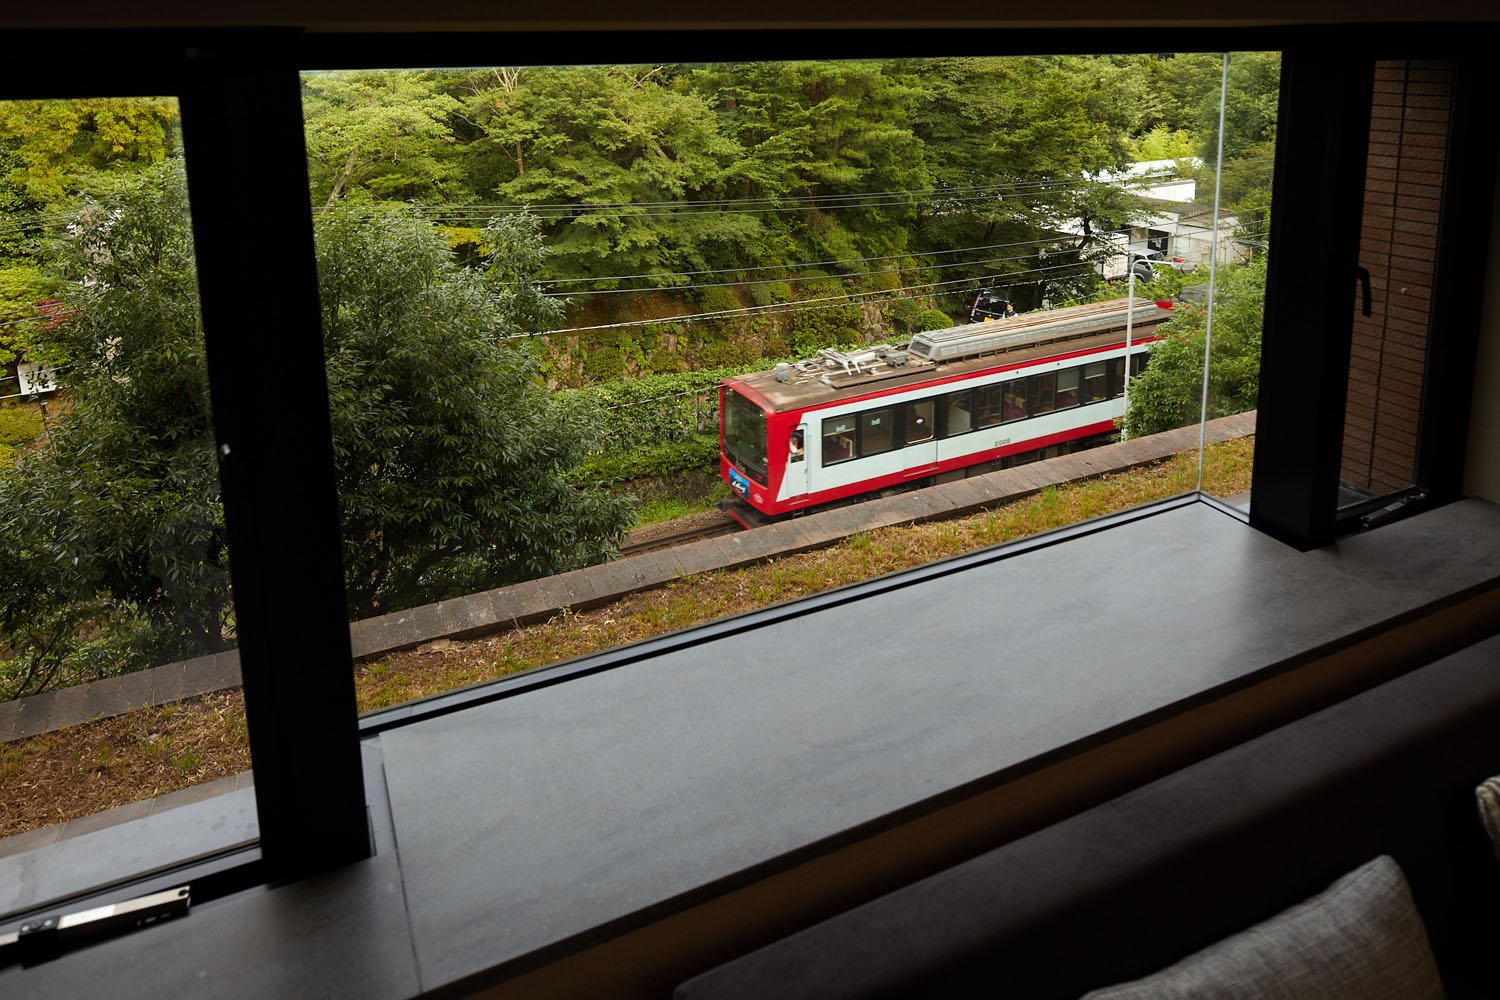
(739, 483)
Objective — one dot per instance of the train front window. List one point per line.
(745, 435)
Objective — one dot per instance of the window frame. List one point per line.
(277, 467)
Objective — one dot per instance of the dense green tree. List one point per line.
(22, 286)
(1169, 393)
(379, 133)
(111, 536)
(53, 155)
(1170, 89)
(608, 150)
(450, 454)
(1251, 98)
(55, 149)
(837, 132)
(1021, 144)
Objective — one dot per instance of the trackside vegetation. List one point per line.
(78, 771)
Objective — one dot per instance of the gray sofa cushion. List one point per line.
(1488, 795)
(1361, 939)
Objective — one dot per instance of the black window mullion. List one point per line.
(1322, 135)
(1462, 256)
(257, 277)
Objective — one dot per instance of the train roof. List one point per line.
(834, 374)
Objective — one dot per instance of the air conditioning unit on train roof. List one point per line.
(1031, 329)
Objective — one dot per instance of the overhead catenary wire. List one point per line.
(816, 277)
(793, 267)
(555, 211)
(830, 302)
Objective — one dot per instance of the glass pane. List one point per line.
(875, 432)
(1067, 388)
(1013, 400)
(919, 422)
(1042, 390)
(956, 416)
(987, 405)
(1093, 383)
(584, 261)
(838, 440)
(1204, 363)
(117, 625)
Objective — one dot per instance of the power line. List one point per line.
(819, 277)
(832, 302)
(766, 199)
(791, 267)
(555, 211)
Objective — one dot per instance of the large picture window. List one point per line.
(503, 321)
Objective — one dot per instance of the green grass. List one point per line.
(653, 510)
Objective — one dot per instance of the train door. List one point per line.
(796, 483)
(920, 438)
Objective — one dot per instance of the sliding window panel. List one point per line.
(1406, 212)
(119, 627)
(1410, 125)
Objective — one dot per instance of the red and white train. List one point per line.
(947, 404)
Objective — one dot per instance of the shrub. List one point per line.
(934, 319)
(906, 314)
(603, 364)
(700, 451)
(770, 293)
(718, 299)
(19, 426)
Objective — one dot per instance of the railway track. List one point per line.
(691, 534)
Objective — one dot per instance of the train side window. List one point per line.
(1115, 376)
(956, 416)
(1093, 382)
(1014, 395)
(875, 431)
(838, 440)
(1067, 388)
(919, 421)
(987, 406)
(1043, 393)
(1138, 363)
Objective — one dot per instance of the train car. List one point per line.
(947, 404)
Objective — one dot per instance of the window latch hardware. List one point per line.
(43, 938)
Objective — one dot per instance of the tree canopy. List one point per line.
(1169, 393)
(451, 456)
(736, 170)
(450, 453)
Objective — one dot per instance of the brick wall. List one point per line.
(1398, 244)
